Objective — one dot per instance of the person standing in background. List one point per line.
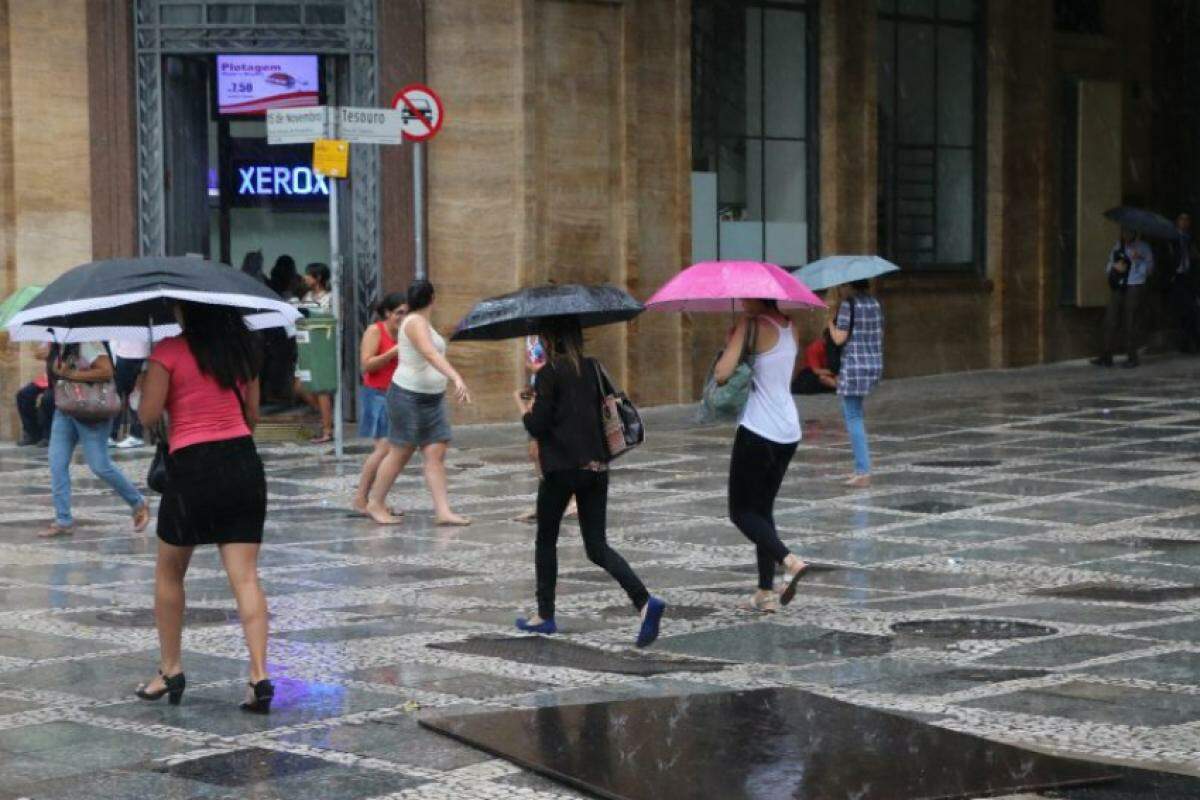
(130, 357)
(284, 280)
(252, 265)
(1129, 265)
(319, 297)
(1183, 258)
(35, 405)
(378, 356)
(857, 327)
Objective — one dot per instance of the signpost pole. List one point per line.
(335, 269)
(418, 166)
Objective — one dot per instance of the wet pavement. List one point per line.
(1026, 569)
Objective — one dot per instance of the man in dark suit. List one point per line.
(1183, 259)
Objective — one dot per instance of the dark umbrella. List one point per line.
(523, 313)
(1147, 223)
(124, 298)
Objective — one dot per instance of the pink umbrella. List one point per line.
(716, 285)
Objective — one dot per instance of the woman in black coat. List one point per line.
(564, 417)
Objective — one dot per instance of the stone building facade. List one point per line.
(617, 140)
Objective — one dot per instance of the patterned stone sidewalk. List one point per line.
(1026, 567)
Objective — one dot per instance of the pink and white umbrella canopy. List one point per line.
(716, 285)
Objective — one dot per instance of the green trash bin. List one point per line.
(316, 343)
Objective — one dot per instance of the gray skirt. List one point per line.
(416, 419)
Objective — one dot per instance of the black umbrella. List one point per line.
(523, 313)
(126, 297)
(1147, 223)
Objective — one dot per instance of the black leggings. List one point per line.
(591, 494)
(756, 472)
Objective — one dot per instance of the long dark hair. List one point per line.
(564, 341)
(390, 302)
(224, 348)
(283, 276)
(320, 273)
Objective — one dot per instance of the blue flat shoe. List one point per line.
(649, 631)
(546, 626)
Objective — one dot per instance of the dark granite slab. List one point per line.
(767, 743)
(546, 652)
(1095, 702)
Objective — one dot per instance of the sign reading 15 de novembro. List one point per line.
(357, 125)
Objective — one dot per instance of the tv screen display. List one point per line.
(251, 84)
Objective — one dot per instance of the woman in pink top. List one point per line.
(207, 383)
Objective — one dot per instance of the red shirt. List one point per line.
(201, 411)
(381, 378)
(814, 355)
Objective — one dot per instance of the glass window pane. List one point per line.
(783, 32)
(956, 85)
(957, 9)
(182, 15)
(226, 13)
(786, 203)
(887, 76)
(955, 209)
(753, 67)
(739, 207)
(915, 83)
(276, 14)
(325, 14)
(920, 8)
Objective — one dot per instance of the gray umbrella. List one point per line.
(524, 313)
(1147, 223)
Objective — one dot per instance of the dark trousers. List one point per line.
(1124, 307)
(756, 472)
(591, 495)
(1183, 299)
(36, 407)
(125, 376)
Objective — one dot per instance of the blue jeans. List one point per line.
(65, 433)
(852, 409)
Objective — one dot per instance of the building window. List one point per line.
(753, 107)
(930, 133)
(1079, 16)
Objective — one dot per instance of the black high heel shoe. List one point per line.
(259, 696)
(173, 686)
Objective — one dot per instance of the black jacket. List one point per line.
(565, 418)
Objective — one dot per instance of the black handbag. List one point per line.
(156, 476)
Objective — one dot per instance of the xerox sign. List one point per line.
(250, 84)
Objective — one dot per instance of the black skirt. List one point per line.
(217, 495)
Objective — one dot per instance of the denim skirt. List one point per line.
(416, 419)
(373, 413)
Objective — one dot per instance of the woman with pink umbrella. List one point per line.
(768, 431)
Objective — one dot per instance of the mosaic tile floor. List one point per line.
(1026, 568)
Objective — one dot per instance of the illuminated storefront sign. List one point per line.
(277, 180)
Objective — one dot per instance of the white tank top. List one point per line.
(414, 372)
(771, 412)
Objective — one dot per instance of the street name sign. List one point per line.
(369, 125)
(297, 125)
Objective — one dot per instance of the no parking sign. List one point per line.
(421, 110)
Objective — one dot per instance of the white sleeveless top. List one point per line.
(414, 372)
(771, 412)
